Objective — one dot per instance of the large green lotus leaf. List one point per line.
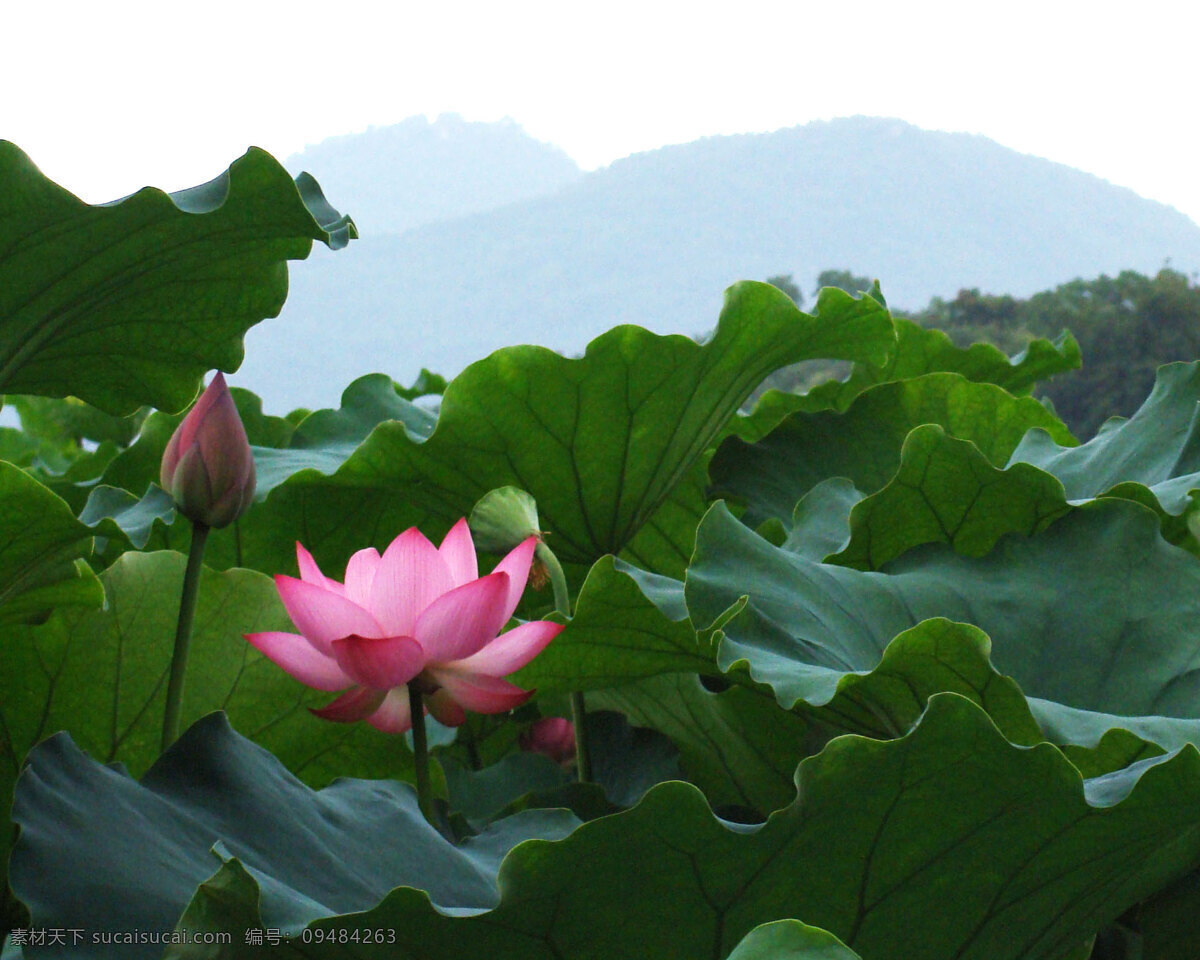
(820, 523)
(627, 624)
(128, 303)
(1114, 750)
(314, 853)
(631, 635)
(54, 449)
(626, 762)
(74, 480)
(41, 551)
(1167, 921)
(937, 655)
(480, 795)
(919, 351)
(70, 420)
(630, 643)
(922, 350)
(1153, 457)
(113, 512)
(1097, 613)
(101, 674)
(665, 541)
(738, 746)
(324, 440)
(946, 491)
(955, 842)
(602, 442)
(1089, 728)
(863, 444)
(18, 447)
(791, 940)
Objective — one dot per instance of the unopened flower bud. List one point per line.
(207, 467)
(552, 736)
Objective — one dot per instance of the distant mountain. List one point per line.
(395, 178)
(655, 238)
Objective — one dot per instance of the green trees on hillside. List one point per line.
(1127, 326)
(843, 280)
(972, 317)
(787, 284)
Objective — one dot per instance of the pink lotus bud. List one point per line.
(553, 736)
(207, 466)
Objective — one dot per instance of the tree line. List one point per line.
(1127, 326)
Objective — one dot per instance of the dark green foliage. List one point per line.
(1126, 326)
(785, 283)
(974, 317)
(843, 280)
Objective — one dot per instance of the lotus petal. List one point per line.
(411, 576)
(516, 564)
(510, 651)
(311, 573)
(461, 622)
(393, 715)
(458, 551)
(479, 693)
(323, 616)
(379, 662)
(445, 710)
(360, 576)
(301, 659)
(351, 706)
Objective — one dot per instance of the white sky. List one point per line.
(109, 96)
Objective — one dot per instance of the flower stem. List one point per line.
(472, 745)
(183, 633)
(583, 753)
(421, 753)
(558, 579)
(562, 603)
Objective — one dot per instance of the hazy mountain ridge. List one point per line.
(420, 171)
(655, 238)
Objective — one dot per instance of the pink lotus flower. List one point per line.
(418, 614)
(552, 736)
(207, 467)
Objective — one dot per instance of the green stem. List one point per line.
(562, 603)
(472, 745)
(583, 753)
(558, 579)
(421, 753)
(183, 634)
